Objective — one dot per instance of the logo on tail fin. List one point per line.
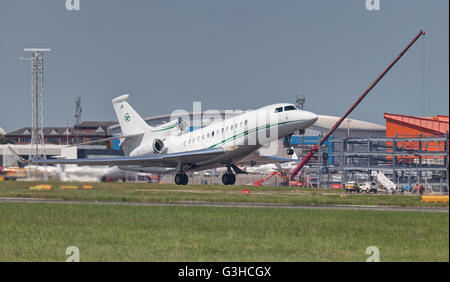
(127, 117)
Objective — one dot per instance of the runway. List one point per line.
(230, 205)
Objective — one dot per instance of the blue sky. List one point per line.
(228, 54)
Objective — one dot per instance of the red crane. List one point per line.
(314, 149)
(259, 182)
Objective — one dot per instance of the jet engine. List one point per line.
(158, 146)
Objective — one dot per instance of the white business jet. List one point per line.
(169, 149)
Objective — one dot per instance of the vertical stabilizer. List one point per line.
(130, 121)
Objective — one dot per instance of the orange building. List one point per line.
(407, 126)
(410, 126)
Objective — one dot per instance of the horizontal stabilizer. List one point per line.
(107, 139)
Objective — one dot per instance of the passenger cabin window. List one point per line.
(279, 110)
(290, 108)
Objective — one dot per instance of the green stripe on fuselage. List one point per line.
(165, 128)
(251, 131)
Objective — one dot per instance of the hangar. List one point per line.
(412, 126)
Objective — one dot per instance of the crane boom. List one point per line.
(314, 149)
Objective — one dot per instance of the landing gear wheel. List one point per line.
(232, 179)
(178, 179)
(225, 179)
(290, 151)
(181, 179)
(185, 179)
(229, 179)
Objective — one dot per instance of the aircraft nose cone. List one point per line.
(312, 117)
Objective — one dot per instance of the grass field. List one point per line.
(141, 192)
(42, 232)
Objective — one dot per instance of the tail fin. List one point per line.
(130, 121)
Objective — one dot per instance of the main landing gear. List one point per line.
(181, 179)
(229, 178)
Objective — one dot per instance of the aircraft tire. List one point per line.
(232, 179)
(289, 152)
(184, 179)
(225, 179)
(178, 179)
(228, 179)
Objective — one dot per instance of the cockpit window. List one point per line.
(279, 110)
(290, 108)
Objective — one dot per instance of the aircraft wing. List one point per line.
(166, 160)
(282, 160)
(256, 158)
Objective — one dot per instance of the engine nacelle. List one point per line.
(158, 146)
(149, 148)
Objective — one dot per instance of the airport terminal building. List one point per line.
(85, 132)
(56, 140)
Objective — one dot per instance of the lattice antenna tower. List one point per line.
(78, 110)
(37, 105)
(300, 101)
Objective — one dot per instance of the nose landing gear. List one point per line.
(290, 151)
(287, 145)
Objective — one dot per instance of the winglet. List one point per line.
(17, 157)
